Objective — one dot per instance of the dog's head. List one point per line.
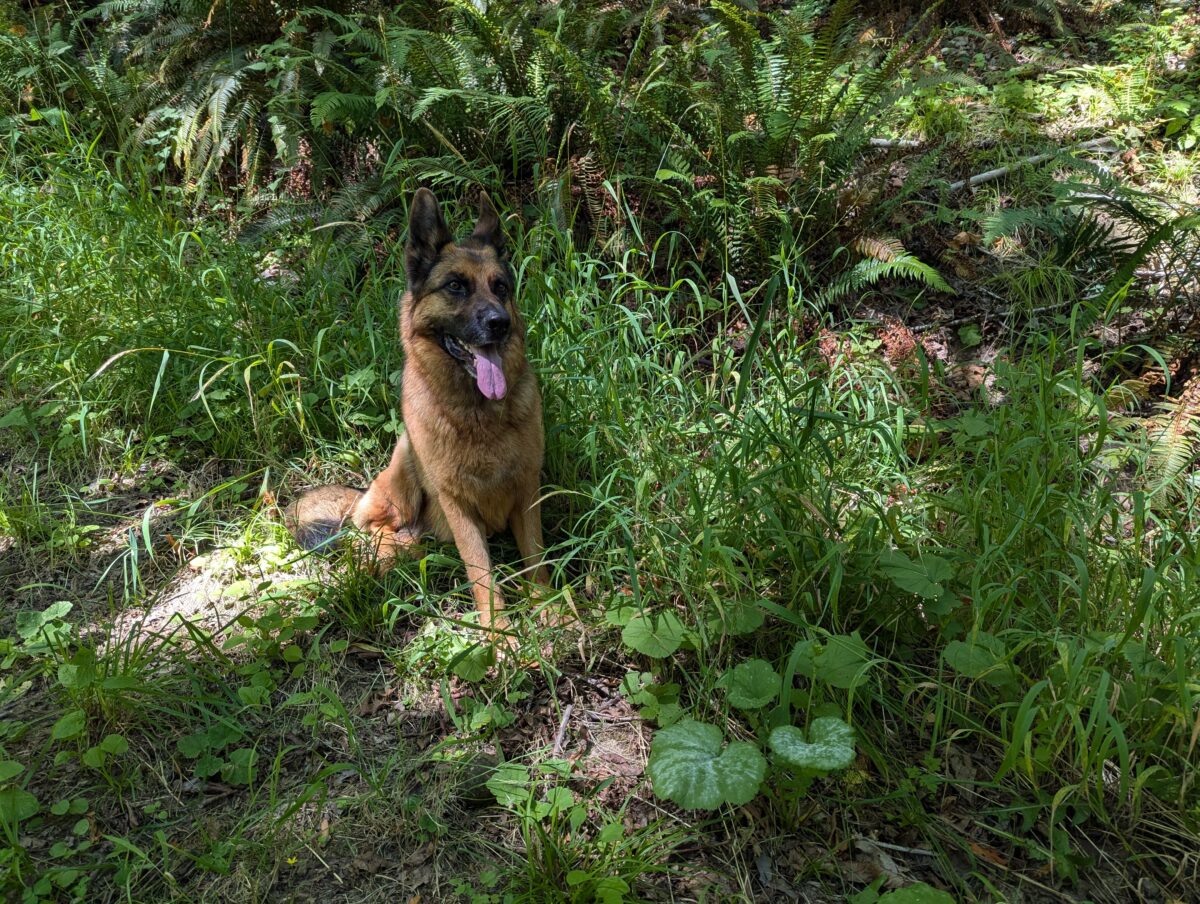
(462, 293)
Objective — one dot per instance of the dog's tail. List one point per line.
(317, 518)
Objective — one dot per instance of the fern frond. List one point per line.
(1174, 438)
(880, 249)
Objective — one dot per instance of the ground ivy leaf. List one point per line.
(654, 636)
(751, 684)
(830, 744)
(10, 769)
(688, 766)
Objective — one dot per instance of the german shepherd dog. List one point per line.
(468, 462)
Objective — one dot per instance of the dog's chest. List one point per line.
(489, 463)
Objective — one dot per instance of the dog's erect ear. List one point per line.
(487, 229)
(427, 235)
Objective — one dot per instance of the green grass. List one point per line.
(999, 584)
(764, 515)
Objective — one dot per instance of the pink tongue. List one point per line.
(489, 376)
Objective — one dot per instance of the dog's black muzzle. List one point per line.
(492, 325)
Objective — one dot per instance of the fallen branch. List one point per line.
(1004, 315)
(1000, 172)
(907, 143)
(562, 730)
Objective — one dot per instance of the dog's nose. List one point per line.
(495, 323)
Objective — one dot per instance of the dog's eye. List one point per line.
(456, 287)
(501, 290)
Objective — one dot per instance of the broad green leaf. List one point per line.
(917, 894)
(619, 616)
(654, 636)
(80, 672)
(688, 766)
(114, 744)
(509, 784)
(17, 417)
(830, 745)
(980, 657)
(194, 744)
(10, 769)
(253, 695)
(69, 726)
(29, 624)
(611, 890)
(751, 684)
(842, 661)
(208, 765)
(221, 735)
(970, 659)
(739, 617)
(611, 833)
(668, 714)
(472, 664)
(924, 577)
(240, 768)
(974, 424)
(665, 175)
(558, 800)
(16, 804)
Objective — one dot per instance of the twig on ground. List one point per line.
(1002, 171)
(906, 143)
(562, 729)
(612, 720)
(1004, 315)
(895, 847)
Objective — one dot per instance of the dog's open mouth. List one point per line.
(482, 362)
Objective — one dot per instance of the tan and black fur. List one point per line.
(468, 463)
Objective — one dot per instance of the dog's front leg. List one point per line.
(472, 546)
(526, 525)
